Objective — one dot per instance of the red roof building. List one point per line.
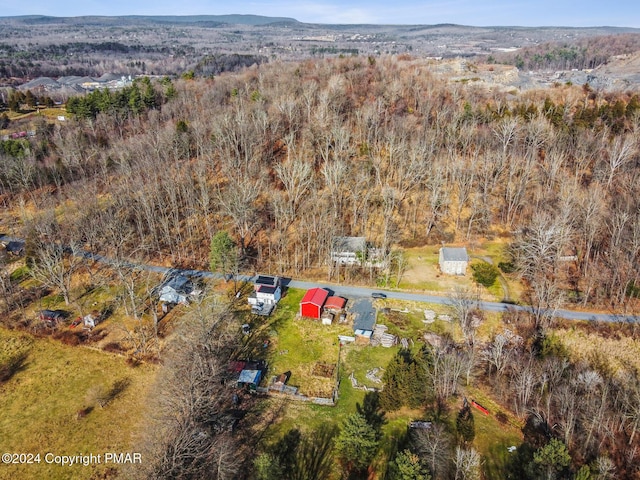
(312, 302)
(334, 303)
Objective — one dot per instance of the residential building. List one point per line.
(453, 260)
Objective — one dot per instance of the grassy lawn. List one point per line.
(493, 437)
(41, 402)
(299, 345)
(296, 345)
(361, 359)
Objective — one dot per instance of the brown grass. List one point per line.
(613, 353)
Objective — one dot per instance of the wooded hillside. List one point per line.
(286, 156)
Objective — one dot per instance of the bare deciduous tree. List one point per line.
(468, 463)
(433, 445)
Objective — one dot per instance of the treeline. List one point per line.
(217, 64)
(584, 54)
(93, 59)
(89, 59)
(194, 431)
(17, 99)
(62, 50)
(285, 157)
(131, 100)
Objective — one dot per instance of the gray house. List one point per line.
(454, 260)
(348, 250)
(177, 289)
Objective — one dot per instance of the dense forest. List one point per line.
(286, 156)
(587, 53)
(381, 149)
(93, 59)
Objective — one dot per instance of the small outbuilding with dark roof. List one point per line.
(15, 247)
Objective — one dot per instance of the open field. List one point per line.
(424, 274)
(493, 437)
(616, 354)
(52, 404)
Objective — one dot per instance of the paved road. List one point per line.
(358, 292)
(352, 291)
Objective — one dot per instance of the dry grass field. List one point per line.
(423, 272)
(52, 404)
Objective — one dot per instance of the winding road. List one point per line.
(355, 291)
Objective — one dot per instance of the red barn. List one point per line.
(312, 302)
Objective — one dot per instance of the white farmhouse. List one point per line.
(348, 250)
(265, 295)
(267, 291)
(454, 260)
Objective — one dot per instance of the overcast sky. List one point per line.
(578, 13)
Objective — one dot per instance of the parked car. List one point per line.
(378, 295)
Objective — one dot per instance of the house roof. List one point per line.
(315, 296)
(180, 284)
(267, 290)
(14, 246)
(266, 280)
(454, 254)
(237, 366)
(349, 244)
(335, 302)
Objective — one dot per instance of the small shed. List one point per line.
(335, 304)
(280, 382)
(250, 377)
(312, 302)
(453, 260)
(363, 337)
(327, 318)
(52, 318)
(15, 247)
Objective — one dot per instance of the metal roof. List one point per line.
(335, 302)
(250, 376)
(315, 296)
(349, 244)
(454, 254)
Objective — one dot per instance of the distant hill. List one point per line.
(256, 20)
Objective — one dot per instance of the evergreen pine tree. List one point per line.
(465, 424)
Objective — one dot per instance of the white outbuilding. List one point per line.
(454, 260)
